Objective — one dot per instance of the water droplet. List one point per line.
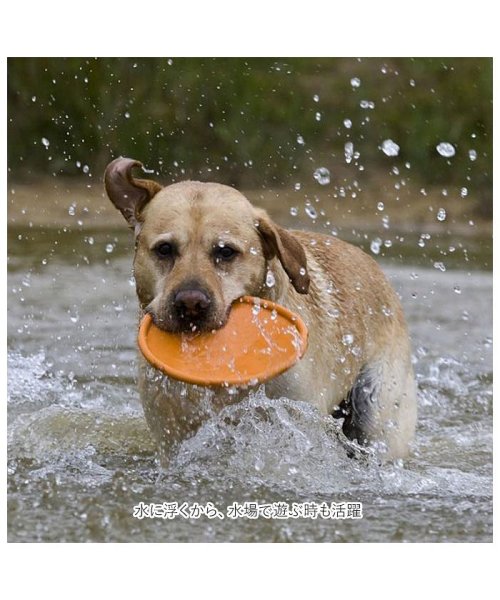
(253, 251)
(463, 192)
(110, 248)
(457, 289)
(317, 116)
(302, 271)
(388, 243)
(300, 140)
(256, 309)
(127, 115)
(322, 175)
(472, 155)
(380, 206)
(294, 211)
(441, 214)
(72, 209)
(355, 82)
(445, 149)
(389, 148)
(347, 123)
(85, 168)
(348, 151)
(297, 187)
(316, 98)
(440, 266)
(347, 339)
(367, 104)
(375, 245)
(45, 142)
(33, 98)
(333, 312)
(270, 280)
(311, 211)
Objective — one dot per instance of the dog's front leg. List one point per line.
(171, 412)
(175, 411)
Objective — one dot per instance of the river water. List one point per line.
(81, 456)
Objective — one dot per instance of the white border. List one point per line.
(217, 28)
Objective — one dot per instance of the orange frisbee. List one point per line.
(260, 340)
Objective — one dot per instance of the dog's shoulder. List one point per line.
(332, 252)
(353, 272)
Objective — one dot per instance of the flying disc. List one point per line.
(260, 340)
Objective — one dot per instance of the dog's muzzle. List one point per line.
(191, 307)
(191, 304)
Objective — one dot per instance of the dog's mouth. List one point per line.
(178, 322)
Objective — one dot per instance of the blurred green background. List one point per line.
(254, 122)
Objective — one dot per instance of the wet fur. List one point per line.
(358, 363)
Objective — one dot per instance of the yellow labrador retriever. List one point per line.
(200, 246)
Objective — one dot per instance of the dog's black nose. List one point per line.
(191, 303)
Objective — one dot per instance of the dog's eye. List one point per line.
(224, 253)
(164, 250)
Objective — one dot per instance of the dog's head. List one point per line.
(199, 247)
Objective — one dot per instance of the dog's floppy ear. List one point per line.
(282, 244)
(128, 194)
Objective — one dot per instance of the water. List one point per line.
(81, 456)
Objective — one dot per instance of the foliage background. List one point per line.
(241, 121)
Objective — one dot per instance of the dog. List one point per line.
(200, 246)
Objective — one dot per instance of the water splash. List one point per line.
(278, 443)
